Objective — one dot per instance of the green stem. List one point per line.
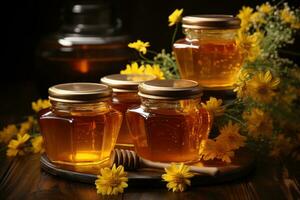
(145, 59)
(174, 34)
(235, 119)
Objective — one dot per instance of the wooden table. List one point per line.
(22, 178)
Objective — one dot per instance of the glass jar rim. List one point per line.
(211, 22)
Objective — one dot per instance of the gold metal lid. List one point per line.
(126, 82)
(211, 22)
(79, 92)
(170, 89)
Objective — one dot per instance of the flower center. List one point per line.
(114, 182)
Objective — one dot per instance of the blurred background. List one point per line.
(34, 32)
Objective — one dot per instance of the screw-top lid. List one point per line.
(211, 22)
(170, 89)
(126, 82)
(79, 92)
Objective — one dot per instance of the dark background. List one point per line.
(25, 23)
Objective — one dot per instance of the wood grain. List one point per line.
(22, 178)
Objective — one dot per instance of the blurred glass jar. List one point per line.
(125, 89)
(209, 53)
(170, 123)
(89, 44)
(81, 127)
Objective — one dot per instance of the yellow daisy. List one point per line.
(7, 133)
(213, 105)
(133, 69)
(211, 150)
(154, 70)
(230, 135)
(289, 17)
(17, 147)
(241, 84)
(259, 123)
(257, 18)
(175, 17)
(177, 176)
(249, 44)
(245, 17)
(40, 104)
(111, 181)
(261, 87)
(37, 144)
(265, 8)
(139, 46)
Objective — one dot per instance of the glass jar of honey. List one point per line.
(209, 53)
(81, 127)
(170, 123)
(125, 89)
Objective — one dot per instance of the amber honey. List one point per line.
(213, 63)
(168, 135)
(81, 127)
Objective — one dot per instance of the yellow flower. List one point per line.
(265, 8)
(37, 144)
(213, 105)
(40, 104)
(175, 17)
(133, 69)
(111, 181)
(289, 17)
(261, 87)
(139, 46)
(282, 145)
(154, 70)
(257, 18)
(258, 123)
(7, 133)
(210, 150)
(290, 94)
(17, 147)
(241, 84)
(249, 44)
(229, 134)
(245, 17)
(177, 176)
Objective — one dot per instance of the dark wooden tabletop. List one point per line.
(22, 178)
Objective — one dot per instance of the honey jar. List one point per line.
(170, 123)
(209, 53)
(81, 127)
(125, 89)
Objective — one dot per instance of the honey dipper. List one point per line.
(131, 161)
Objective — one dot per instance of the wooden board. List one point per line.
(242, 165)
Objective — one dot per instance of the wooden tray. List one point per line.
(242, 165)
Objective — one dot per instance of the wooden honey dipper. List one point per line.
(131, 161)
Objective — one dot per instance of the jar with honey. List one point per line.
(125, 89)
(170, 123)
(81, 127)
(209, 53)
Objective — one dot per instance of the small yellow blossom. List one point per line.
(229, 134)
(210, 150)
(249, 44)
(37, 144)
(139, 46)
(111, 181)
(40, 104)
(213, 105)
(245, 17)
(154, 70)
(133, 69)
(177, 176)
(7, 133)
(175, 17)
(258, 123)
(289, 17)
(17, 147)
(241, 84)
(265, 8)
(257, 18)
(261, 87)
